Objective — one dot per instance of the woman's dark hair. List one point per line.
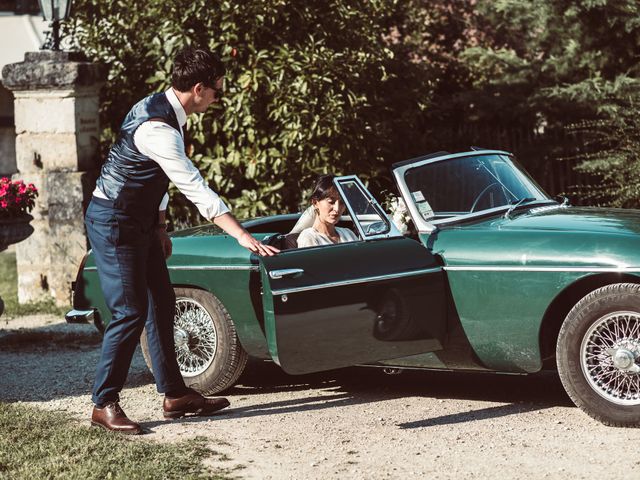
(324, 188)
(194, 65)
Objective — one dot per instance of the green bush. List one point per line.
(312, 87)
(568, 71)
(351, 87)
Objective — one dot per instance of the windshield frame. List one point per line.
(428, 226)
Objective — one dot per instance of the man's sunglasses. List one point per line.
(218, 91)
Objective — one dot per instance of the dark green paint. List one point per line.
(230, 286)
(366, 320)
(500, 312)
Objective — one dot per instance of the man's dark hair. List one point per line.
(194, 65)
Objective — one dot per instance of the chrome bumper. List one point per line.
(80, 316)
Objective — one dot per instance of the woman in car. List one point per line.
(328, 207)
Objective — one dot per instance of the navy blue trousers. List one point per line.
(137, 290)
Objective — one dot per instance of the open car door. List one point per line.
(334, 306)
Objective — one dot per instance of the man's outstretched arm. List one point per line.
(229, 224)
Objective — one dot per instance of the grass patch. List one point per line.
(40, 444)
(9, 292)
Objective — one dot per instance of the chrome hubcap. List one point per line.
(195, 337)
(181, 338)
(610, 357)
(624, 359)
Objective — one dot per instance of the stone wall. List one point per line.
(57, 128)
(7, 134)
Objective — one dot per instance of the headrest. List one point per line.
(305, 221)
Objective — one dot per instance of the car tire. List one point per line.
(208, 351)
(598, 354)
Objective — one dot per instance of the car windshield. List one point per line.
(459, 186)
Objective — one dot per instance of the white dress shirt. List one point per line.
(165, 145)
(310, 237)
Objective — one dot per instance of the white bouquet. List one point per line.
(399, 214)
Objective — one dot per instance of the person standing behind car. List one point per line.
(126, 227)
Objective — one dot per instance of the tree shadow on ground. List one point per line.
(54, 361)
(360, 386)
(474, 415)
(543, 388)
(297, 405)
(48, 339)
(66, 358)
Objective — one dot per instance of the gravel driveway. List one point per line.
(351, 423)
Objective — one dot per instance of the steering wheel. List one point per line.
(484, 191)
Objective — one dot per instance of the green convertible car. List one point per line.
(487, 272)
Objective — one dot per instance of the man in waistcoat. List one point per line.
(126, 227)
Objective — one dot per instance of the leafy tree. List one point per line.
(552, 66)
(312, 87)
(610, 143)
(351, 87)
(603, 79)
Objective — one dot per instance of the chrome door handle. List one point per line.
(286, 272)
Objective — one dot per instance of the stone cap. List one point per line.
(49, 70)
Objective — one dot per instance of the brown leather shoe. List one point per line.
(192, 402)
(112, 417)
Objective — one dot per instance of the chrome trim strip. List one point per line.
(286, 291)
(547, 208)
(472, 153)
(286, 272)
(253, 268)
(79, 316)
(541, 269)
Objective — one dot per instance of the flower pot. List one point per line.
(14, 230)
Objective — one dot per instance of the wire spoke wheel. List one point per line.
(208, 352)
(598, 354)
(195, 335)
(610, 357)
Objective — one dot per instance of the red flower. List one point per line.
(17, 198)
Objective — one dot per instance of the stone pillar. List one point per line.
(57, 128)
(7, 134)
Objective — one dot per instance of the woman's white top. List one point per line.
(310, 237)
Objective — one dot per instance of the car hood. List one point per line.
(575, 219)
(558, 237)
